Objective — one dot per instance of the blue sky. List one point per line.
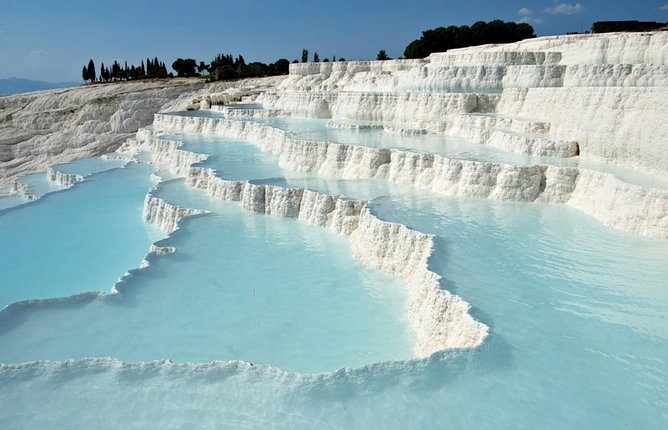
(52, 39)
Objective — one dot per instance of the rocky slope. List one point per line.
(43, 128)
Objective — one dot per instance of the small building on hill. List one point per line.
(615, 26)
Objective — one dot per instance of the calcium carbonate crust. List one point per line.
(45, 128)
(65, 180)
(616, 204)
(164, 215)
(287, 381)
(602, 97)
(533, 88)
(439, 319)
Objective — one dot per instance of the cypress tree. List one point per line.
(115, 71)
(84, 73)
(91, 70)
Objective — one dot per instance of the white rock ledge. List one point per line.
(439, 319)
(166, 216)
(615, 203)
(64, 179)
(606, 92)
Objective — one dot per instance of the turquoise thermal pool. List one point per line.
(255, 319)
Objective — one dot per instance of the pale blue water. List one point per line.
(38, 184)
(78, 240)
(240, 286)
(449, 146)
(578, 315)
(7, 201)
(89, 166)
(578, 341)
(238, 160)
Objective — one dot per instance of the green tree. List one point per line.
(115, 71)
(163, 72)
(202, 67)
(84, 73)
(104, 73)
(281, 66)
(304, 55)
(442, 39)
(91, 71)
(316, 58)
(226, 72)
(382, 55)
(185, 67)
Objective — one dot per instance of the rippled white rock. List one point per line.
(628, 207)
(602, 97)
(41, 129)
(440, 319)
(165, 215)
(64, 179)
(22, 189)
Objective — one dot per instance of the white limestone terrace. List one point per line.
(520, 93)
(600, 97)
(617, 204)
(439, 319)
(44, 128)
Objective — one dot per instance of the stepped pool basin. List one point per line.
(77, 240)
(371, 134)
(264, 321)
(307, 306)
(239, 160)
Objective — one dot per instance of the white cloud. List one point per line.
(525, 11)
(664, 7)
(565, 9)
(36, 53)
(527, 15)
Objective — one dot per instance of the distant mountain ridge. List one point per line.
(10, 86)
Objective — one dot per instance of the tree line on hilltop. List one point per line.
(316, 58)
(222, 67)
(227, 67)
(152, 69)
(442, 39)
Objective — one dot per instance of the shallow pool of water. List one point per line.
(76, 240)
(239, 160)
(240, 286)
(449, 146)
(577, 314)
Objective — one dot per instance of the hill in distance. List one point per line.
(10, 86)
